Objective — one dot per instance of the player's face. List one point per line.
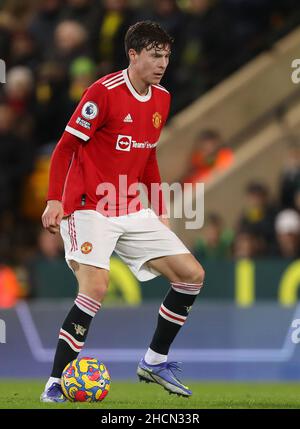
(151, 64)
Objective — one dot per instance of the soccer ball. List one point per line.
(85, 380)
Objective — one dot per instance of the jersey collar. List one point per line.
(136, 95)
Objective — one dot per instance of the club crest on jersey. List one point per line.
(86, 247)
(156, 119)
(89, 110)
(123, 143)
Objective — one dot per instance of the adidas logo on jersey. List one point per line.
(128, 118)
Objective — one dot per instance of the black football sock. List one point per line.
(172, 315)
(74, 332)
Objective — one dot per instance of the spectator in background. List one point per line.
(16, 157)
(70, 42)
(23, 51)
(113, 20)
(247, 244)
(82, 73)
(19, 10)
(208, 156)
(168, 15)
(82, 11)
(208, 49)
(47, 267)
(35, 186)
(216, 242)
(53, 80)
(50, 246)
(57, 95)
(287, 226)
(51, 90)
(43, 23)
(173, 20)
(290, 178)
(258, 215)
(18, 95)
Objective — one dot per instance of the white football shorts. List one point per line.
(90, 238)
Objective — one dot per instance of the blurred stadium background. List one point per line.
(234, 124)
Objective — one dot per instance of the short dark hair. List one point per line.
(146, 34)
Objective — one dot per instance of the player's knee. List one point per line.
(95, 289)
(93, 282)
(195, 275)
(198, 275)
(98, 291)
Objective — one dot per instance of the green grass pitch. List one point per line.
(131, 395)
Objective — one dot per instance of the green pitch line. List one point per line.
(25, 394)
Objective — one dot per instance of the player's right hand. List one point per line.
(52, 216)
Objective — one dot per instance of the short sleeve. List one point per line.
(90, 114)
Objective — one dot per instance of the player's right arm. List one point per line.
(59, 166)
(87, 117)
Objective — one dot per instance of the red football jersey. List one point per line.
(119, 130)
